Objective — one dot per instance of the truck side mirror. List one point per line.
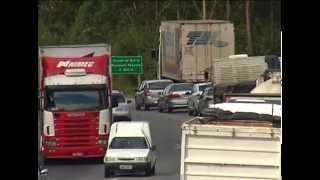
(43, 171)
(40, 102)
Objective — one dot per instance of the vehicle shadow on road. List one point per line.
(73, 161)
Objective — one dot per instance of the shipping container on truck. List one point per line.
(214, 149)
(238, 69)
(188, 48)
(75, 108)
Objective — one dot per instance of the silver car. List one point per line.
(175, 96)
(193, 101)
(120, 107)
(148, 93)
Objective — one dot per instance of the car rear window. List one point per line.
(158, 85)
(181, 87)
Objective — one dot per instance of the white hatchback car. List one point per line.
(130, 149)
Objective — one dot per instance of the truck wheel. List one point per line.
(107, 173)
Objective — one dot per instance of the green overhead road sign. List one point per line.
(126, 65)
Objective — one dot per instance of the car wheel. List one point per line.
(160, 109)
(137, 105)
(146, 107)
(169, 109)
(107, 173)
(153, 171)
(195, 112)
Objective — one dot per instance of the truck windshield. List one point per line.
(128, 143)
(70, 100)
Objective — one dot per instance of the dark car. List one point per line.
(205, 99)
(175, 96)
(193, 101)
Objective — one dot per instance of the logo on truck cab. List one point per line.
(78, 64)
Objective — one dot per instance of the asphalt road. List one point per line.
(166, 133)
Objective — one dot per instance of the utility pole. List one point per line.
(178, 10)
(228, 9)
(204, 9)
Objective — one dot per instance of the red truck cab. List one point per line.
(75, 90)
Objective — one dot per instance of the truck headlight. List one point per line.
(51, 143)
(102, 142)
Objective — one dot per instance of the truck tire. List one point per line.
(107, 173)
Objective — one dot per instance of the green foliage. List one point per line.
(132, 27)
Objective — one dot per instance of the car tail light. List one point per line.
(174, 96)
(226, 99)
(146, 92)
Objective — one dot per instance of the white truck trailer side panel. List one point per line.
(188, 48)
(224, 152)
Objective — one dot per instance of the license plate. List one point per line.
(125, 167)
(77, 154)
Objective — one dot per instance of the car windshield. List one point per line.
(128, 143)
(210, 92)
(70, 100)
(203, 87)
(181, 87)
(116, 98)
(159, 85)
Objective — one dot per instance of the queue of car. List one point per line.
(168, 96)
